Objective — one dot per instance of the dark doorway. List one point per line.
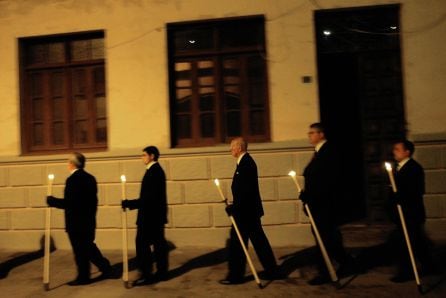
(361, 99)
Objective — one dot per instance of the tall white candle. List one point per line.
(46, 256)
(125, 269)
(217, 183)
(50, 184)
(391, 177)
(319, 241)
(403, 224)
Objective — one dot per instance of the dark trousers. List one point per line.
(86, 251)
(144, 254)
(250, 230)
(420, 247)
(332, 239)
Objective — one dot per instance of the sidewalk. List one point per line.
(195, 273)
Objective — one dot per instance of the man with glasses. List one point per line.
(320, 193)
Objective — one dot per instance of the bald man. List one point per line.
(247, 210)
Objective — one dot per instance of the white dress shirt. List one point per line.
(150, 164)
(240, 158)
(319, 145)
(402, 163)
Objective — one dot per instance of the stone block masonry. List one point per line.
(196, 215)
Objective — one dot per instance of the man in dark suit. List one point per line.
(152, 216)
(80, 205)
(247, 210)
(409, 179)
(320, 193)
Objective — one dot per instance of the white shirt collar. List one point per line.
(402, 163)
(72, 172)
(319, 145)
(150, 164)
(240, 157)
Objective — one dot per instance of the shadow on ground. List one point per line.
(207, 260)
(371, 258)
(19, 259)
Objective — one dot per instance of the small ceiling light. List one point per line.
(326, 32)
(393, 27)
(192, 41)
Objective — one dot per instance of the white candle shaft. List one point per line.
(50, 187)
(46, 258)
(324, 252)
(408, 243)
(125, 269)
(392, 180)
(125, 262)
(220, 192)
(297, 183)
(123, 190)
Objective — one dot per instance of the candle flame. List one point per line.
(388, 166)
(292, 173)
(217, 182)
(51, 176)
(123, 179)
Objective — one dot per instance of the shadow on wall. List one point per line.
(23, 258)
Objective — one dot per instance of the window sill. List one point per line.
(222, 149)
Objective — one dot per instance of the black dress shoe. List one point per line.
(319, 280)
(161, 276)
(430, 270)
(276, 275)
(144, 281)
(350, 267)
(109, 273)
(400, 278)
(79, 282)
(228, 282)
(348, 270)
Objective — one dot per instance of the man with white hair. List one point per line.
(80, 205)
(247, 211)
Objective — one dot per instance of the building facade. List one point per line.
(109, 77)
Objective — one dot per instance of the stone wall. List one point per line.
(196, 215)
(432, 156)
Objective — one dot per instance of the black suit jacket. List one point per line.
(321, 180)
(152, 201)
(80, 202)
(410, 190)
(245, 190)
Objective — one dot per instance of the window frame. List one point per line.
(217, 55)
(66, 68)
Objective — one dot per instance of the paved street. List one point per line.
(195, 273)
